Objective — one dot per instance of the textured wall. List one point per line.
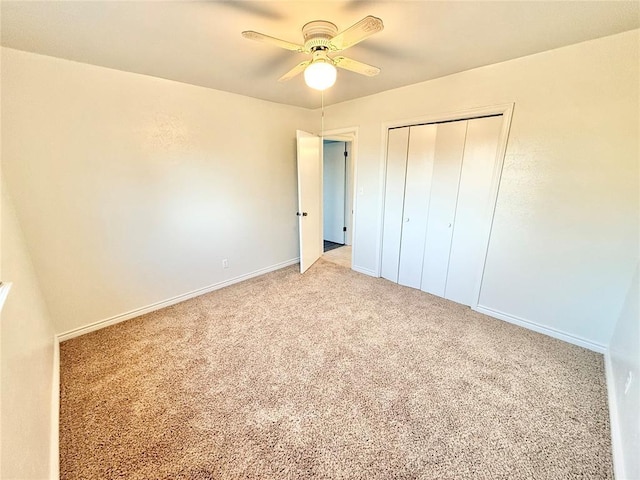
(26, 362)
(565, 235)
(132, 189)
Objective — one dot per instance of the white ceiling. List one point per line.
(200, 42)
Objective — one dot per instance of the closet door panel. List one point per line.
(449, 150)
(473, 210)
(416, 203)
(397, 146)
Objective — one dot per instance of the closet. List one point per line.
(438, 205)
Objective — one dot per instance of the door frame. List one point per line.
(506, 110)
(343, 194)
(347, 134)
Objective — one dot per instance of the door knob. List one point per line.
(450, 225)
(406, 220)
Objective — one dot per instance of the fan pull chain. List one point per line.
(322, 115)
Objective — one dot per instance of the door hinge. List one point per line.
(344, 229)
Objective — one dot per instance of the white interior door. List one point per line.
(473, 210)
(420, 157)
(397, 146)
(309, 149)
(442, 205)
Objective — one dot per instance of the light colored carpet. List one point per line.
(329, 375)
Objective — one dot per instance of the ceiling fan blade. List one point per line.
(261, 37)
(355, 66)
(294, 71)
(356, 33)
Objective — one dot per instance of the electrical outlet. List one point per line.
(225, 263)
(627, 384)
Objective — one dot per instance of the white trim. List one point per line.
(349, 208)
(338, 138)
(536, 327)
(467, 114)
(366, 271)
(54, 446)
(352, 133)
(4, 292)
(76, 332)
(382, 185)
(507, 115)
(504, 109)
(614, 420)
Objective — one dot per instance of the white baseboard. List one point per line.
(536, 327)
(366, 271)
(616, 441)
(76, 332)
(55, 398)
(54, 447)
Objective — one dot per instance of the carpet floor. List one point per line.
(329, 375)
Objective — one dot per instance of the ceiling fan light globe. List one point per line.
(320, 75)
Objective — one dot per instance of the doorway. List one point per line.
(337, 204)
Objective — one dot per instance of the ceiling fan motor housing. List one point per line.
(318, 35)
(321, 38)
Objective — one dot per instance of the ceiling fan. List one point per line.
(320, 39)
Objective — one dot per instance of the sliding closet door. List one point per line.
(420, 157)
(474, 209)
(439, 198)
(397, 146)
(447, 165)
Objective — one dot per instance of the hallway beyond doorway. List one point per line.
(340, 256)
(329, 245)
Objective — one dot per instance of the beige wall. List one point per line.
(565, 235)
(26, 362)
(132, 189)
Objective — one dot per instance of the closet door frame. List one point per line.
(506, 110)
